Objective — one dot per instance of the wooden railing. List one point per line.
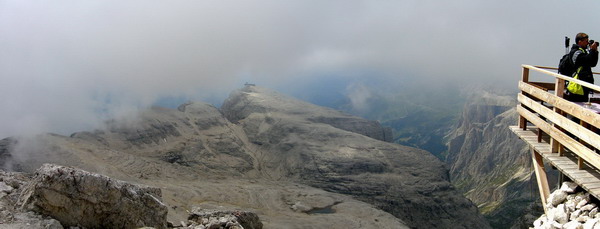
(538, 106)
(543, 105)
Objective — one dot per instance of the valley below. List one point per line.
(487, 163)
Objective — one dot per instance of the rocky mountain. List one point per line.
(404, 181)
(295, 164)
(490, 164)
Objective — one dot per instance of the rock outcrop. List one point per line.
(79, 198)
(11, 216)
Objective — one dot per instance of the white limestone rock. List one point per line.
(5, 188)
(575, 214)
(556, 225)
(588, 207)
(569, 187)
(538, 222)
(582, 219)
(545, 224)
(582, 196)
(576, 211)
(557, 197)
(558, 214)
(572, 225)
(590, 224)
(570, 204)
(581, 204)
(593, 212)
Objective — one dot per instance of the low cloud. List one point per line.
(68, 65)
(359, 96)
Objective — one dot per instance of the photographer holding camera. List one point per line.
(584, 60)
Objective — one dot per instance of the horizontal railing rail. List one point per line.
(554, 115)
(556, 69)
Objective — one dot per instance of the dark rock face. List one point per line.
(360, 126)
(490, 164)
(79, 198)
(409, 183)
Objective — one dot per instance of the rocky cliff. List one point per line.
(490, 164)
(407, 182)
(296, 164)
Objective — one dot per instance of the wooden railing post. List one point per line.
(525, 78)
(540, 175)
(559, 90)
(522, 122)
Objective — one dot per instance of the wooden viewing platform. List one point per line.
(545, 124)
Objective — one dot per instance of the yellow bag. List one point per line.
(573, 87)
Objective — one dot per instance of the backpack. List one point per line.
(566, 66)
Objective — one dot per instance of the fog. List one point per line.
(67, 65)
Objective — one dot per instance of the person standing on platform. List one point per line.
(584, 60)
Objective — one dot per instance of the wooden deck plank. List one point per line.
(560, 161)
(587, 178)
(592, 185)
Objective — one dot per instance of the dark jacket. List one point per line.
(586, 59)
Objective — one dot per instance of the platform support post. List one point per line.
(540, 174)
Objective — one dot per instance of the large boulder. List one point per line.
(79, 198)
(11, 184)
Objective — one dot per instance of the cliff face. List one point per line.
(490, 164)
(296, 164)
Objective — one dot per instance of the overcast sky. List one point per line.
(66, 65)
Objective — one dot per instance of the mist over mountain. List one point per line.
(76, 64)
(420, 114)
(309, 157)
